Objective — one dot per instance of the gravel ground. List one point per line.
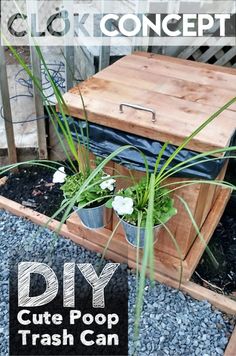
(172, 323)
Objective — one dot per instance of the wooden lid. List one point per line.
(182, 93)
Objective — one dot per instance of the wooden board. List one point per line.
(176, 87)
(165, 264)
(231, 348)
(183, 94)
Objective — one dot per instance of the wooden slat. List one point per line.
(187, 52)
(221, 302)
(226, 57)
(185, 63)
(231, 348)
(104, 51)
(69, 53)
(211, 194)
(209, 53)
(207, 230)
(183, 69)
(159, 83)
(39, 106)
(197, 54)
(85, 67)
(4, 91)
(183, 109)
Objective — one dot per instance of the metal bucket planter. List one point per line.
(131, 234)
(95, 218)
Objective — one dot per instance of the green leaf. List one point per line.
(109, 203)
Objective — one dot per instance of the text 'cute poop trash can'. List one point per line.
(146, 100)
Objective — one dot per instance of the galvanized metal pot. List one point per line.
(95, 218)
(131, 234)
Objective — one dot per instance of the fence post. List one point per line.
(39, 107)
(4, 89)
(69, 53)
(104, 57)
(104, 51)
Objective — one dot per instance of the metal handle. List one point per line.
(138, 107)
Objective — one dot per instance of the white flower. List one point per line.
(59, 176)
(123, 206)
(108, 183)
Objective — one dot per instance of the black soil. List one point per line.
(33, 188)
(223, 247)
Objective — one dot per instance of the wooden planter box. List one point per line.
(183, 94)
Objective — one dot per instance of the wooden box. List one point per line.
(183, 94)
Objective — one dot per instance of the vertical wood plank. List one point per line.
(4, 89)
(104, 57)
(39, 107)
(231, 347)
(69, 53)
(138, 10)
(104, 51)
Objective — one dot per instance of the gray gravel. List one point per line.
(172, 323)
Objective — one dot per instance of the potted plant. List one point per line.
(131, 207)
(90, 205)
